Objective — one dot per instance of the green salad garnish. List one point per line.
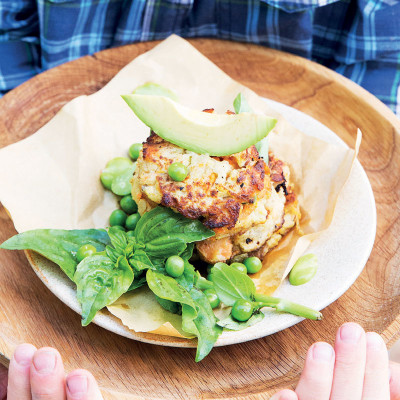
(126, 262)
(155, 250)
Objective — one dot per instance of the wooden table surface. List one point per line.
(131, 370)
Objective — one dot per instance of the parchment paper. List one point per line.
(51, 179)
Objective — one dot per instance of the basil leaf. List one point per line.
(188, 252)
(232, 285)
(240, 104)
(137, 283)
(233, 325)
(112, 254)
(140, 261)
(168, 288)
(202, 283)
(187, 279)
(100, 282)
(171, 306)
(202, 324)
(165, 246)
(59, 246)
(164, 224)
(118, 239)
(263, 147)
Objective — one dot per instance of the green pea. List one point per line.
(128, 204)
(118, 217)
(85, 251)
(130, 233)
(240, 267)
(253, 264)
(212, 298)
(177, 171)
(242, 310)
(134, 150)
(132, 221)
(303, 270)
(175, 266)
(106, 179)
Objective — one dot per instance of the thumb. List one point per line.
(394, 381)
(3, 382)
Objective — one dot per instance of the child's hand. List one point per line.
(357, 369)
(39, 374)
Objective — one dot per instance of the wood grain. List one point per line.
(131, 370)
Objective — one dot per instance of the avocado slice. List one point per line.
(197, 131)
(154, 89)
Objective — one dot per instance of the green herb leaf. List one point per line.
(137, 283)
(59, 246)
(100, 282)
(161, 227)
(232, 285)
(118, 239)
(112, 254)
(187, 279)
(202, 283)
(168, 288)
(141, 261)
(188, 252)
(263, 147)
(201, 323)
(165, 246)
(171, 306)
(240, 104)
(233, 325)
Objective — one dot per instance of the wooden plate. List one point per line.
(252, 370)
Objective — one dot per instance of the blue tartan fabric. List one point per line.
(358, 38)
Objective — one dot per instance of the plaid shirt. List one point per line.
(358, 38)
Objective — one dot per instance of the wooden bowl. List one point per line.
(127, 369)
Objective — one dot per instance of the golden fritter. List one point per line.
(281, 213)
(233, 195)
(214, 191)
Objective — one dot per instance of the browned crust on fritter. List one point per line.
(192, 201)
(278, 178)
(276, 167)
